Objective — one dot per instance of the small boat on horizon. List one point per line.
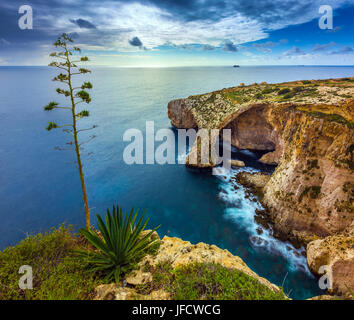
(236, 66)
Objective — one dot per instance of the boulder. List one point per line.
(337, 253)
(237, 163)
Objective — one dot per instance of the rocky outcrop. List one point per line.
(179, 111)
(307, 127)
(237, 163)
(177, 253)
(256, 181)
(334, 256)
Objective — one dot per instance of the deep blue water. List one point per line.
(40, 187)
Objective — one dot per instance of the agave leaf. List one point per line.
(144, 242)
(95, 241)
(104, 232)
(138, 231)
(117, 274)
(120, 246)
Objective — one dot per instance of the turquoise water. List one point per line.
(40, 187)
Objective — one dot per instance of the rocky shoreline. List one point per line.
(307, 129)
(177, 253)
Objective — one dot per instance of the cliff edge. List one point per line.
(181, 270)
(306, 127)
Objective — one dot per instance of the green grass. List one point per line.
(269, 90)
(284, 91)
(241, 96)
(208, 281)
(332, 117)
(56, 274)
(59, 275)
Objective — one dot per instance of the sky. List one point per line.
(166, 33)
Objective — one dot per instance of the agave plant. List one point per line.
(119, 245)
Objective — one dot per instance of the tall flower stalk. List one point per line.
(66, 59)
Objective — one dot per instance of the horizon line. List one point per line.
(196, 66)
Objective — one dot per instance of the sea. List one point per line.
(40, 186)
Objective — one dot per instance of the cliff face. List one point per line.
(180, 114)
(311, 190)
(337, 253)
(307, 127)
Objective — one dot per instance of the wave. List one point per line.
(241, 210)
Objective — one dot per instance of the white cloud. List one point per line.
(118, 22)
(155, 27)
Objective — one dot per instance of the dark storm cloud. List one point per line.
(48, 23)
(97, 24)
(82, 23)
(270, 12)
(136, 42)
(229, 46)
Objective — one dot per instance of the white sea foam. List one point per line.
(241, 211)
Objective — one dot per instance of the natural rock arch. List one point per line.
(250, 129)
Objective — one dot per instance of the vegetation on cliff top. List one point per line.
(208, 281)
(60, 275)
(331, 99)
(56, 274)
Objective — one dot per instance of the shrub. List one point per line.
(288, 96)
(283, 91)
(56, 275)
(298, 89)
(120, 243)
(268, 90)
(210, 281)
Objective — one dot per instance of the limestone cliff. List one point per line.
(307, 129)
(180, 114)
(337, 253)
